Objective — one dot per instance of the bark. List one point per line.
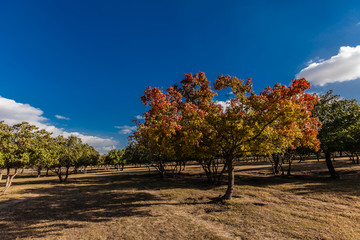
(221, 173)
(66, 173)
(58, 173)
(330, 166)
(289, 169)
(60, 177)
(231, 180)
(276, 163)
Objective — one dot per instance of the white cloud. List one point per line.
(62, 117)
(108, 149)
(344, 66)
(12, 112)
(139, 117)
(126, 129)
(223, 104)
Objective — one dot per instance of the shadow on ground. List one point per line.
(92, 199)
(97, 198)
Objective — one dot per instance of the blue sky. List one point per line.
(88, 62)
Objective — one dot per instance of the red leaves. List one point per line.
(277, 118)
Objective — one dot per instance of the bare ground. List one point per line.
(135, 205)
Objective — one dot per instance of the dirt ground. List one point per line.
(135, 205)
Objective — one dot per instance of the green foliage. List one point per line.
(341, 123)
(115, 158)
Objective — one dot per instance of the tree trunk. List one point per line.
(231, 180)
(218, 181)
(330, 166)
(276, 163)
(289, 169)
(9, 180)
(38, 172)
(58, 173)
(66, 174)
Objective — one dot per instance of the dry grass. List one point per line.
(134, 205)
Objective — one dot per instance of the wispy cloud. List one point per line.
(12, 112)
(126, 129)
(139, 117)
(345, 66)
(62, 117)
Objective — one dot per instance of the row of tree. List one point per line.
(25, 146)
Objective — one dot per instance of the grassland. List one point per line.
(135, 205)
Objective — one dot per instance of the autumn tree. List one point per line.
(270, 122)
(187, 120)
(158, 133)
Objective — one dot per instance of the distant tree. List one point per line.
(115, 158)
(88, 157)
(69, 150)
(137, 155)
(42, 153)
(340, 129)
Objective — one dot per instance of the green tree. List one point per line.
(69, 150)
(115, 158)
(15, 144)
(340, 129)
(88, 157)
(42, 153)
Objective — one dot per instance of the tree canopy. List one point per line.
(186, 120)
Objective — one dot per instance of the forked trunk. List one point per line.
(9, 180)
